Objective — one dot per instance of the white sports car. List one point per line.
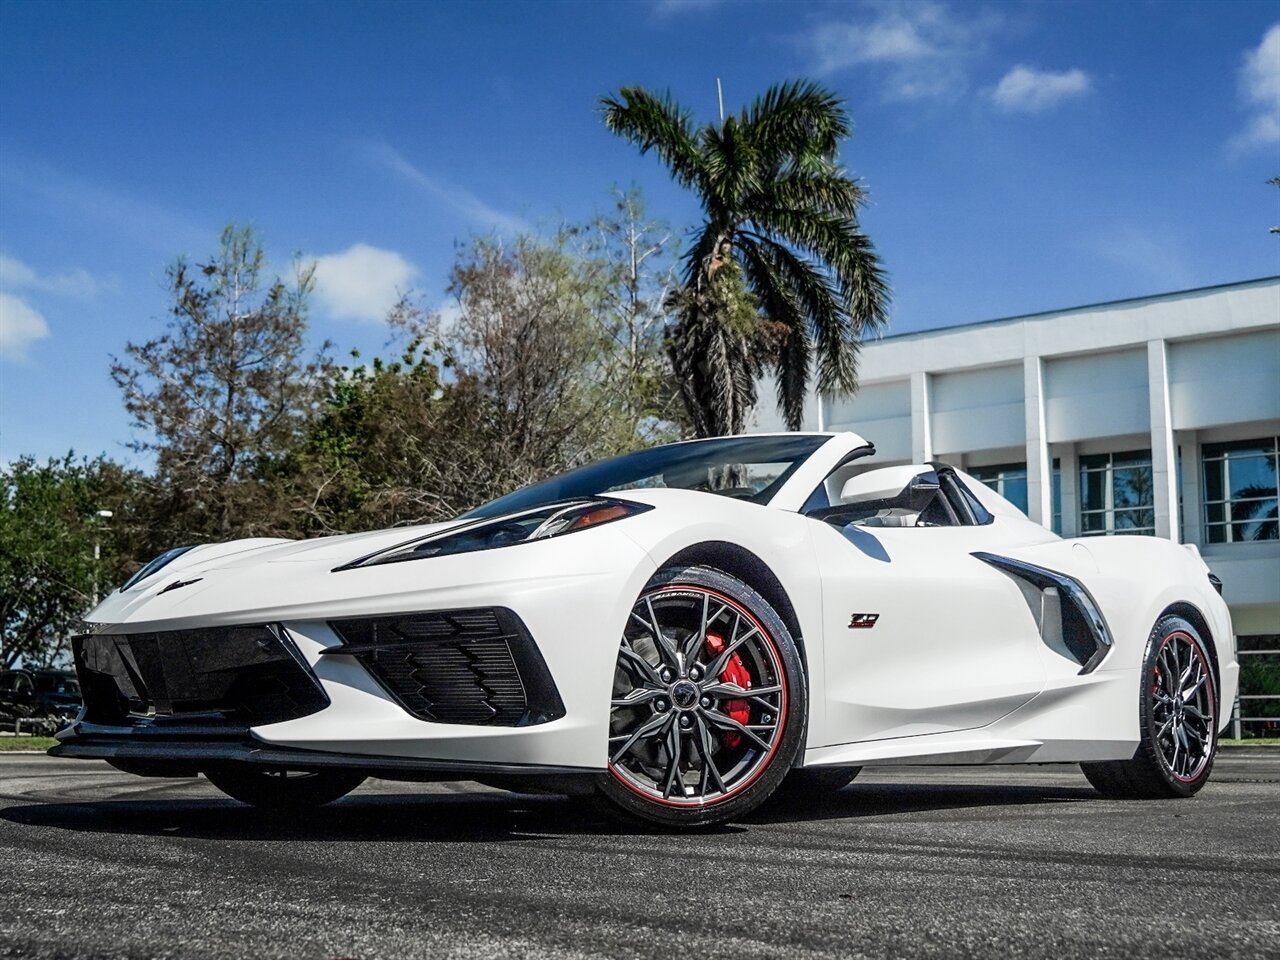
(678, 631)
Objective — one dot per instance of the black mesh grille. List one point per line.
(244, 674)
(456, 666)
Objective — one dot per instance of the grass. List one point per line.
(10, 744)
(1251, 742)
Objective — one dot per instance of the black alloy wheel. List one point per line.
(708, 702)
(1178, 718)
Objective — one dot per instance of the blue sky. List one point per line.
(1019, 156)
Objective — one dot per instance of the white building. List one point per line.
(1156, 415)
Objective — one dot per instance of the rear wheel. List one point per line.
(1178, 717)
(708, 702)
(277, 789)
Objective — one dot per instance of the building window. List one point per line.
(1010, 481)
(1117, 494)
(1007, 479)
(1240, 490)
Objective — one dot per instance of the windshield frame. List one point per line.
(627, 470)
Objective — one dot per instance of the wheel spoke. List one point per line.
(1189, 692)
(629, 657)
(721, 661)
(727, 722)
(652, 725)
(637, 696)
(1169, 671)
(707, 749)
(675, 744)
(664, 645)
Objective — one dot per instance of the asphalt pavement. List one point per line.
(906, 862)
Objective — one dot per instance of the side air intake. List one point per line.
(1085, 633)
(477, 667)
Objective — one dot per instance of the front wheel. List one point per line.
(277, 789)
(708, 702)
(1178, 718)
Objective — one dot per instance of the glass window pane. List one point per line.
(1093, 523)
(1133, 520)
(1133, 487)
(1213, 480)
(1255, 520)
(1252, 476)
(1015, 491)
(1093, 494)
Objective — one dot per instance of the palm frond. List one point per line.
(656, 123)
(797, 119)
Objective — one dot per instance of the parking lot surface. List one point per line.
(906, 862)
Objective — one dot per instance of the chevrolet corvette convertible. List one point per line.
(679, 632)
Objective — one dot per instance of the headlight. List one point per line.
(554, 520)
(155, 565)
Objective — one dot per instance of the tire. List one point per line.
(684, 750)
(1178, 721)
(276, 789)
(817, 781)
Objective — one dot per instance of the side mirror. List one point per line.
(909, 487)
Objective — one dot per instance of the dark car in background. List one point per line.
(38, 701)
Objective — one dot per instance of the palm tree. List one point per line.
(780, 276)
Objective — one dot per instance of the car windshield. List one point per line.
(748, 468)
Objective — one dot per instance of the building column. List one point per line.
(1069, 464)
(1164, 454)
(1188, 444)
(1039, 466)
(921, 425)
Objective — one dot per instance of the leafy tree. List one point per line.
(49, 525)
(633, 257)
(527, 375)
(779, 208)
(224, 390)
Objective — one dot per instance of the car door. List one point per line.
(920, 637)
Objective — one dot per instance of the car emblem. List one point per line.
(863, 621)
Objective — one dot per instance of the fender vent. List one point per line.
(1084, 629)
(477, 667)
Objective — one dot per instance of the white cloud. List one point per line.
(461, 202)
(921, 49)
(20, 326)
(362, 282)
(1029, 90)
(1260, 90)
(16, 275)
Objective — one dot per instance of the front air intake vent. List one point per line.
(477, 667)
(243, 674)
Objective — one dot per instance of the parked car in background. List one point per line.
(39, 701)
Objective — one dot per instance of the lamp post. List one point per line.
(97, 549)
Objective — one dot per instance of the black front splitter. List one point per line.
(176, 749)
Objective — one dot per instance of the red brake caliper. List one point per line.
(735, 672)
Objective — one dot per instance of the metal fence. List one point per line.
(1247, 700)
